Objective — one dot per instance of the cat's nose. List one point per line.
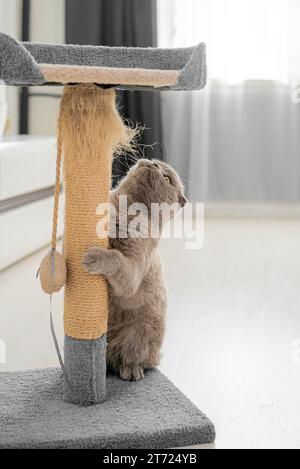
(183, 201)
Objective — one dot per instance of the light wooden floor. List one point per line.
(233, 334)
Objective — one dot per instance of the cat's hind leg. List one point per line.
(134, 347)
(127, 351)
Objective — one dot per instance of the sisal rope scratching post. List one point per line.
(91, 130)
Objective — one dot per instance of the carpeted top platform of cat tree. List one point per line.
(122, 67)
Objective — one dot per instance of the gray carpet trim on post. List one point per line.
(19, 62)
(151, 413)
(85, 365)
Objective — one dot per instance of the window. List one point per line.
(246, 39)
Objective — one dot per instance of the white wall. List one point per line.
(10, 23)
(47, 25)
(10, 16)
(47, 21)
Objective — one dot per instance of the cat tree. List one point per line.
(151, 413)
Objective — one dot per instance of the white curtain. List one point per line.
(239, 139)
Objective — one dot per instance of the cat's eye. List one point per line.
(168, 179)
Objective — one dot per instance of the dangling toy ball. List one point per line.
(53, 272)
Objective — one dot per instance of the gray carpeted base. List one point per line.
(151, 413)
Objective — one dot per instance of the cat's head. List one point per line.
(151, 182)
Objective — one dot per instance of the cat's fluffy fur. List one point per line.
(132, 267)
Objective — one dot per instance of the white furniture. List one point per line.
(3, 109)
(27, 173)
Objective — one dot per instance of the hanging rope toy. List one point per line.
(53, 269)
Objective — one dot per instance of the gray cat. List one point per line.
(132, 267)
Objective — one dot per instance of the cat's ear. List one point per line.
(183, 201)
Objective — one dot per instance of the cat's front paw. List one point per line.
(132, 372)
(91, 260)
